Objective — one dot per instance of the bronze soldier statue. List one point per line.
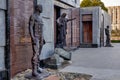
(108, 42)
(62, 24)
(36, 33)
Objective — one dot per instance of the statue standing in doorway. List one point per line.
(62, 25)
(108, 42)
(36, 33)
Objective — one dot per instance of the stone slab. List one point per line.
(63, 53)
(3, 4)
(2, 62)
(52, 77)
(48, 21)
(74, 3)
(54, 62)
(2, 28)
(47, 51)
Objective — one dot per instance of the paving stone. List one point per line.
(52, 77)
(55, 75)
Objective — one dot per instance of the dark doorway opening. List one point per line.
(56, 29)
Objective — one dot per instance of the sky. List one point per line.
(110, 2)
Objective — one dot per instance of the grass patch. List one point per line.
(115, 41)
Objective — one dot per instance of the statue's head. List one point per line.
(64, 15)
(38, 8)
(107, 26)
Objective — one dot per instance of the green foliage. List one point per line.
(115, 41)
(88, 3)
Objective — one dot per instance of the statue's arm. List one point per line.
(31, 25)
(71, 19)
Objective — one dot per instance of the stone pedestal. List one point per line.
(55, 75)
(39, 77)
(59, 59)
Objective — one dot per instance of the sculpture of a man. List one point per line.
(36, 33)
(62, 24)
(108, 42)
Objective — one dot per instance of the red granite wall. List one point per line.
(20, 42)
(76, 27)
(68, 35)
(73, 37)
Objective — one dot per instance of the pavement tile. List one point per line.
(52, 77)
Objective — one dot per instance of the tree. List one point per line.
(88, 3)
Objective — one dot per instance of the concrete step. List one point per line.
(96, 79)
(63, 53)
(60, 59)
(88, 46)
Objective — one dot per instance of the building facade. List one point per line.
(114, 12)
(93, 21)
(19, 12)
(4, 41)
(71, 7)
(14, 18)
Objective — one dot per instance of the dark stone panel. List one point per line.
(20, 42)
(3, 75)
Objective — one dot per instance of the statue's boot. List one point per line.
(34, 71)
(34, 74)
(43, 73)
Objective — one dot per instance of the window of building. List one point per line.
(116, 15)
(112, 15)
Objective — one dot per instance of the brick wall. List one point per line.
(76, 27)
(73, 37)
(20, 42)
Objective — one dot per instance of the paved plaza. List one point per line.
(102, 63)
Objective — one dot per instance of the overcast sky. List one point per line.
(111, 2)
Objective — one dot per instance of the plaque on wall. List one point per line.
(87, 17)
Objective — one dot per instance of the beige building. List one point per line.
(114, 11)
